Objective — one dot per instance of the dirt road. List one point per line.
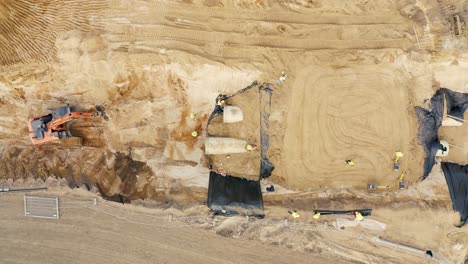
(88, 236)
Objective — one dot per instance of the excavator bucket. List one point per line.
(101, 111)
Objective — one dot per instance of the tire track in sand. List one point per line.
(147, 33)
(30, 28)
(357, 114)
(200, 29)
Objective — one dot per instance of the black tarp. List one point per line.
(431, 119)
(266, 167)
(457, 181)
(231, 195)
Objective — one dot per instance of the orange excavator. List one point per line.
(55, 125)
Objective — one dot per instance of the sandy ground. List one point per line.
(357, 113)
(96, 232)
(355, 71)
(92, 235)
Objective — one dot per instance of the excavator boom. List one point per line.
(56, 123)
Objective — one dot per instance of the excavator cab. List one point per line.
(53, 126)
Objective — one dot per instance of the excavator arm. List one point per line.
(58, 123)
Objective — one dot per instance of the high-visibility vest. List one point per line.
(359, 216)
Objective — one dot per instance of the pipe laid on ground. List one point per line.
(23, 190)
(422, 253)
(452, 145)
(364, 212)
(457, 118)
(400, 246)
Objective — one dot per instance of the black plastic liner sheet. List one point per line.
(231, 195)
(431, 119)
(266, 167)
(457, 181)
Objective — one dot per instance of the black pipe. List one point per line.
(363, 212)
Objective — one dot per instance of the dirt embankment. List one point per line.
(88, 167)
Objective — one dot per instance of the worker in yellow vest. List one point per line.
(359, 216)
(294, 214)
(220, 103)
(251, 147)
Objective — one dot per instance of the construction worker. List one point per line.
(282, 78)
(220, 100)
(359, 216)
(194, 133)
(316, 216)
(251, 147)
(221, 103)
(442, 148)
(294, 214)
(396, 161)
(350, 162)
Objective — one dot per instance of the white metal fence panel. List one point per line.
(42, 207)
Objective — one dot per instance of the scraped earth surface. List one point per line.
(355, 71)
(359, 114)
